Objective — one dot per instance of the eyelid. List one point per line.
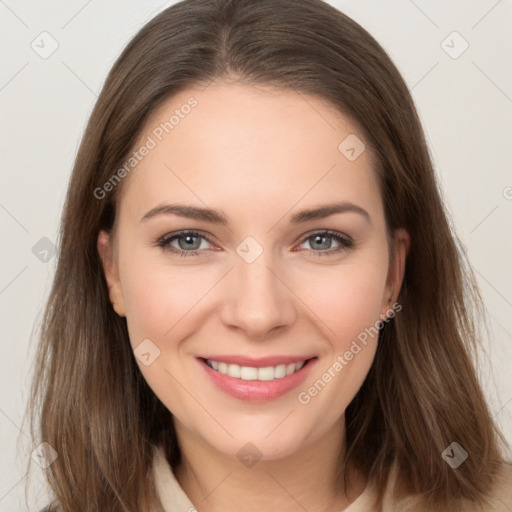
(165, 240)
(325, 231)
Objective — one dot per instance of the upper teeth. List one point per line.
(251, 373)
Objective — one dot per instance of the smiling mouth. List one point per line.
(267, 373)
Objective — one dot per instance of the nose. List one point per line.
(257, 300)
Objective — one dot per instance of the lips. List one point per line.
(258, 390)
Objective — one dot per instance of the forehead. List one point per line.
(257, 147)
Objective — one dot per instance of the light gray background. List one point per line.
(465, 104)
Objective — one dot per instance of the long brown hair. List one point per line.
(89, 400)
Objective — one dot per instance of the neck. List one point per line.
(307, 478)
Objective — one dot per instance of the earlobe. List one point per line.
(106, 252)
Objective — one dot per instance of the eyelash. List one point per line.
(165, 241)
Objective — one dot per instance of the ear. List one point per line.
(105, 246)
(402, 245)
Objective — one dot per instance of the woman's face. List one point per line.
(241, 166)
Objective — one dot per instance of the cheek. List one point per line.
(350, 307)
(158, 303)
(158, 296)
(347, 300)
(161, 302)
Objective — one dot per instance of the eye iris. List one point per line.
(326, 244)
(189, 242)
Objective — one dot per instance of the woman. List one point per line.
(259, 302)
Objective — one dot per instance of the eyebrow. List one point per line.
(218, 217)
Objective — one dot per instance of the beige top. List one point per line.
(174, 499)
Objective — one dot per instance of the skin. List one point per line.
(259, 154)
